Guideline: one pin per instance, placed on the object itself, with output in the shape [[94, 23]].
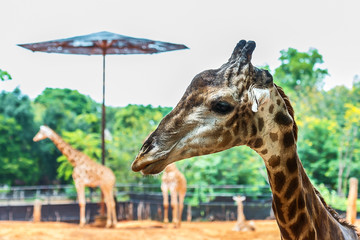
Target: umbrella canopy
[[103, 43]]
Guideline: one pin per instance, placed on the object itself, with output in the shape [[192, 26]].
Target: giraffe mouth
[[154, 168], [150, 167]]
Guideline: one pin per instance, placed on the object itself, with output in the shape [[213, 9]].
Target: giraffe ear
[[258, 97]]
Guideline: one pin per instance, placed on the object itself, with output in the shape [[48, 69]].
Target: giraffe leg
[[112, 207], [109, 201], [80, 188], [181, 206], [165, 194], [174, 206]]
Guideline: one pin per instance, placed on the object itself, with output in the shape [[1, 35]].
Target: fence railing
[[213, 202], [52, 194]]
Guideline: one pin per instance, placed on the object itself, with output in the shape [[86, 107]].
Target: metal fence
[[134, 201]]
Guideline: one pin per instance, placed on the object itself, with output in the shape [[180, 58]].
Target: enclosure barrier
[[134, 201]]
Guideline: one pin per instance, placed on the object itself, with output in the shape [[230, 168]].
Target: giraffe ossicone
[[238, 104]]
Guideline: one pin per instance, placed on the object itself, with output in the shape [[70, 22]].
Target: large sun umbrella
[[103, 43]]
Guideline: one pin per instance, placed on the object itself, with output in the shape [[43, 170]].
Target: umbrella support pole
[[103, 122]]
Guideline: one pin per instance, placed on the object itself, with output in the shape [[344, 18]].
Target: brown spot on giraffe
[[282, 119], [244, 127], [311, 235], [258, 143], [260, 124], [274, 136], [232, 120], [284, 233], [288, 139], [279, 179], [292, 188], [253, 130], [271, 109], [299, 225], [274, 161], [277, 206], [291, 164], [292, 210], [301, 201]]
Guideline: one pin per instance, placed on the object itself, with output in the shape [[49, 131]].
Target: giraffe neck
[[299, 209], [65, 148], [241, 216], [171, 168]]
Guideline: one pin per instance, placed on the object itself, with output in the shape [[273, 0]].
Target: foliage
[[318, 149], [298, 71], [18, 161], [4, 75], [61, 107]]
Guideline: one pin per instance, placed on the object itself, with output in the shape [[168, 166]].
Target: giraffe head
[[239, 199], [236, 104], [43, 133]]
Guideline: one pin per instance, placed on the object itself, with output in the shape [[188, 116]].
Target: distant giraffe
[[86, 172], [239, 104], [174, 181], [241, 223]]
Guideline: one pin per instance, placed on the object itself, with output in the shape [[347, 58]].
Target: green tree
[[349, 146], [4, 75], [18, 159], [61, 107], [317, 148], [299, 72]]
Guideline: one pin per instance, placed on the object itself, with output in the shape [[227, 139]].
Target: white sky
[[210, 29]]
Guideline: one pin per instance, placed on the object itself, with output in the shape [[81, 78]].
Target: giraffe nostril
[[148, 145]]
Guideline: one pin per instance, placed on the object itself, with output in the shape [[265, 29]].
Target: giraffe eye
[[222, 107]]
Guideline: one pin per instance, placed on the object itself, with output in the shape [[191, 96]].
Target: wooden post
[[147, 212], [130, 211], [159, 213], [351, 206], [140, 210], [37, 211], [189, 214]]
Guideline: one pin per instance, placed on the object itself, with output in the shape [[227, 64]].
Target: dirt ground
[[134, 230]]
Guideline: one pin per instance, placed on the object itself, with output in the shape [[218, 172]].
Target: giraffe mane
[[289, 108], [335, 214]]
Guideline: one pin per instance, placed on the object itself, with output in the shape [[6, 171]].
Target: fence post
[[130, 211], [140, 209], [37, 211], [189, 215], [351, 206]]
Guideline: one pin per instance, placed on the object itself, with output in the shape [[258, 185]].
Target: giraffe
[[241, 223], [174, 181], [239, 104], [86, 172]]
